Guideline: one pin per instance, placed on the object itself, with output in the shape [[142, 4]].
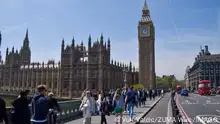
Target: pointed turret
[[73, 42], [7, 51], [0, 38], [63, 45], [81, 46], [101, 40], [130, 67], [13, 49], [26, 40], [145, 13], [145, 6], [89, 41], [26, 36], [109, 43]]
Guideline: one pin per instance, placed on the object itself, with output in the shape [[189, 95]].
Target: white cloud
[[11, 28]]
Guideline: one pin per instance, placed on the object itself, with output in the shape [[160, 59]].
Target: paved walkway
[[161, 113], [111, 118]]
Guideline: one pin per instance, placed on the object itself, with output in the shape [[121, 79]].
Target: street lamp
[[125, 77]]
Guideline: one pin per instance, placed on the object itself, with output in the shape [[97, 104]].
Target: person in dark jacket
[[3, 113], [53, 104], [40, 106], [21, 109], [104, 110]]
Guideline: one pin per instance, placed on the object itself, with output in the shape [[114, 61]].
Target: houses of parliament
[[79, 68]]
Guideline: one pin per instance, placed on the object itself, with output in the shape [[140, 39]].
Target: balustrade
[[69, 111]]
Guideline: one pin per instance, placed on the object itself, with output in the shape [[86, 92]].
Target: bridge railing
[[69, 111]]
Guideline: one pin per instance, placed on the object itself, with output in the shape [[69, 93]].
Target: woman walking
[[118, 106]]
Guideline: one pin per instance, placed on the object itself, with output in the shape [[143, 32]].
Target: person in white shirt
[[86, 107], [162, 92]]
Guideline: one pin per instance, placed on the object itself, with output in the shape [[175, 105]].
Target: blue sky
[[182, 26]]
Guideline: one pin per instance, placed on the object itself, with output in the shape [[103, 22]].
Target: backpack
[[131, 97]]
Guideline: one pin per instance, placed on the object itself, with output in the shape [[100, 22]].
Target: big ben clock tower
[[146, 38]]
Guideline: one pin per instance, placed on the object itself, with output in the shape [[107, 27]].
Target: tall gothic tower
[[146, 38], [25, 52]]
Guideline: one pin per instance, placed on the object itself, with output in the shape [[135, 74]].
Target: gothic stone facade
[[78, 69], [205, 67]]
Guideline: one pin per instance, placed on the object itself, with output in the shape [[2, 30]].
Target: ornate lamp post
[[125, 78]]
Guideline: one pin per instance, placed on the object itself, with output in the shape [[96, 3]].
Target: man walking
[[3, 113], [21, 109], [40, 106], [130, 100]]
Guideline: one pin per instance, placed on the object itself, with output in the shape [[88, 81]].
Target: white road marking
[[200, 120], [168, 111], [209, 98], [218, 111]]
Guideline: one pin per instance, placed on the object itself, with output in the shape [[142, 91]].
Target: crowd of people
[[115, 102], [42, 106]]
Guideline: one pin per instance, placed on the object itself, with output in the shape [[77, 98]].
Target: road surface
[[200, 109], [160, 112]]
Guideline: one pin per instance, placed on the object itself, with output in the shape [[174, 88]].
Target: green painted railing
[[69, 111]]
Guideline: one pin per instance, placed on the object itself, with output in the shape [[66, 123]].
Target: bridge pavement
[[111, 119]]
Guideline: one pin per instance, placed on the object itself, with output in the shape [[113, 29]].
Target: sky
[[181, 27]]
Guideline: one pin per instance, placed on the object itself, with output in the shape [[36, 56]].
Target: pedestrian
[[130, 100], [3, 112], [86, 107], [94, 107], [118, 105], [143, 99], [162, 92], [83, 94], [104, 110], [150, 94], [40, 106], [21, 108], [153, 94], [55, 108]]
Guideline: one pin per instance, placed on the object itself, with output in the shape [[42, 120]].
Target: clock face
[[144, 31]]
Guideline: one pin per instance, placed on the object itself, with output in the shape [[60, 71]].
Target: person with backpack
[[130, 100]]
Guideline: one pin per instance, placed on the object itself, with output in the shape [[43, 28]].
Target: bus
[[178, 89], [204, 87]]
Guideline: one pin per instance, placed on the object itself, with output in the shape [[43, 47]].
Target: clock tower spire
[[146, 39]]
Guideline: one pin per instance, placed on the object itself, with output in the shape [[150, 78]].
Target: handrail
[[69, 111]]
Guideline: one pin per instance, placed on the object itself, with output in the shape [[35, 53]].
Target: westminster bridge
[[70, 113]]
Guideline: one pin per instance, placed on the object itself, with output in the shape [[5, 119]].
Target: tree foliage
[[169, 81]]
